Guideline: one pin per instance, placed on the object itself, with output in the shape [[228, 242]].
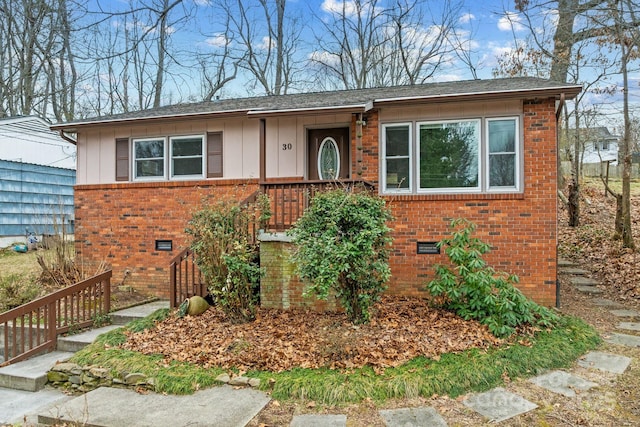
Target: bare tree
[[219, 67], [37, 65], [364, 43], [264, 41], [575, 22]]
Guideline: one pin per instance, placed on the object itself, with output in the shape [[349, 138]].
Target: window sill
[[454, 196]]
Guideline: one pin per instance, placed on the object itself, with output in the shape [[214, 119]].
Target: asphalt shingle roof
[[357, 98]]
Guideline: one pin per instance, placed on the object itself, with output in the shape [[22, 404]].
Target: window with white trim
[[149, 155], [448, 155], [177, 157], [452, 156], [397, 157], [187, 158], [502, 167]]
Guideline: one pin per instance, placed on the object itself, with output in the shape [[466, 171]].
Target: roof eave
[[569, 91], [72, 126], [355, 108]]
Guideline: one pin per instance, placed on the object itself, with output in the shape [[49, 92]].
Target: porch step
[[77, 342], [122, 317], [31, 374]]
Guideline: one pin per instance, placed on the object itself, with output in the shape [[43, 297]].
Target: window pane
[[397, 140], [149, 168], [449, 155], [397, 174], [186, 156], [502, 170], [149, 149], [186, 147], [187, 166], [502, 136]]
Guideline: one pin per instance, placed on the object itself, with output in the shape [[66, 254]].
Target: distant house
[[485, 150], [37, 175], [600, 146]]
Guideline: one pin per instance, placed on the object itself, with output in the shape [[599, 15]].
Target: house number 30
[[287, 147]]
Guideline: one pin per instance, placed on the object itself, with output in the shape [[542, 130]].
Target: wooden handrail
[[185, 278], [289, 199], [34, 327]]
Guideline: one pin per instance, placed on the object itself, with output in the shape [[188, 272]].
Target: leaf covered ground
[[592, 243], [400, 330]]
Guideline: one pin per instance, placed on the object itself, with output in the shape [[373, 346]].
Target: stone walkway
[[498, 404]]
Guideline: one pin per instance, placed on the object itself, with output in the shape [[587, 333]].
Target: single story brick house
[[485, 150]]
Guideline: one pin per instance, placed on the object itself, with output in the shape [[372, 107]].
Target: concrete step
[[122, 317], [573, 271], [562, 262], [118, 318], [31, 374], [583, 281], [77, 342]]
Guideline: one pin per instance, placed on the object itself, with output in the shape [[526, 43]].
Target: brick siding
[[521, 228], [118, 224]]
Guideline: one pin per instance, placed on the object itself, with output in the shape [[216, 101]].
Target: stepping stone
[[499, 404], [605, 362], [589, 290], [625, 313], [412, 417], [563, 383], [105, 407], [565, 263], [321, 420], [574, 271], [583, 281], [623, 339], [629, 326], [603, 302]]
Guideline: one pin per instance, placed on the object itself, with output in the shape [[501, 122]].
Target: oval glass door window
[[328, 159]]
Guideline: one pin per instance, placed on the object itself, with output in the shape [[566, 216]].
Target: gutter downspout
[[559, 169], [67, 138]]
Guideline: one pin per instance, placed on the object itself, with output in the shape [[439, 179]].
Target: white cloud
[[335, 6], [267, 43], [324, 57], [218, 40], [510, 21], [202, 2], [466, 18]]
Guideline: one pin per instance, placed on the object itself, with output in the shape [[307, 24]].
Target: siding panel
[[35, 198]]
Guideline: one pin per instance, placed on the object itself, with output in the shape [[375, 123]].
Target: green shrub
[[226, 257], [475, 290], [343, 246], [16, 290]]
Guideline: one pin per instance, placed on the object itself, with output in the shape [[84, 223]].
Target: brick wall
[[119, 223], [521, 228], [280, 287]]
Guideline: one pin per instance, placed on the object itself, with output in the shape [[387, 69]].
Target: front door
[[328, 154]]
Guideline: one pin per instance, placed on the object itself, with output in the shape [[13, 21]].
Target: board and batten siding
[[97, 151], [34, 198]]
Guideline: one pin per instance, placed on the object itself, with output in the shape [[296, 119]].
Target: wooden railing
[[290, 199], [34, 327], [185, 279]]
